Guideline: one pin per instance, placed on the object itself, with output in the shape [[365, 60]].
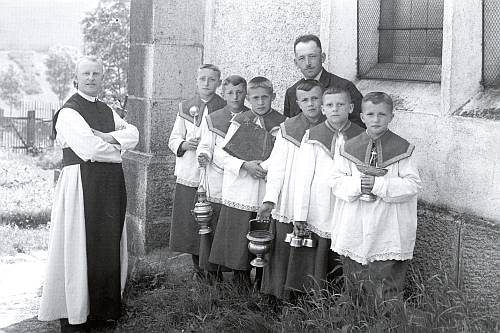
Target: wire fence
[[29, 128]]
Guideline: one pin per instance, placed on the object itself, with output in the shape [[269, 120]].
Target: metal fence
[[491, 43], [29, 127]]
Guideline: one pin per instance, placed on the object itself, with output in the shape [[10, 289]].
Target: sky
[[39, 24]]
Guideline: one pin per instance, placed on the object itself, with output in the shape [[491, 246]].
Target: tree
[[10, 87], [61, 69], [106, 33]]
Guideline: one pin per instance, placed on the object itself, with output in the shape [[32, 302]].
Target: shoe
[[66, 327]]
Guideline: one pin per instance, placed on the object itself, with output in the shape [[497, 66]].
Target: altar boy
[[243, 184], [376, 238], [311, 267], [280, 186], [183, 142], [213, 131]]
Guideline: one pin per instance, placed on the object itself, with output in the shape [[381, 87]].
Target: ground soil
[[21, 280]]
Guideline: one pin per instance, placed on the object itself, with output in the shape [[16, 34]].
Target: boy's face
[[336, 108], [376, 118], [309, 59], [208, 81], [310, 103], [260, 100], [235, 96]]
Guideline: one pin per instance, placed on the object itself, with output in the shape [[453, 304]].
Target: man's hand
[[203, 160], [254, 169], [105, 136], [299, 228], [367, 183], [264, 211], [191, 144]]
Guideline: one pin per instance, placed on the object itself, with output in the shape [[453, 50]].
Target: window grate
[[491, 43], [400, 39]]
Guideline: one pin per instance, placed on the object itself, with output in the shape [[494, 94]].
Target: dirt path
[[21, 279]]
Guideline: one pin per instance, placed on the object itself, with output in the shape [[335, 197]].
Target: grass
[[158, 299], [26, 194], [161, 297], [21, 240]]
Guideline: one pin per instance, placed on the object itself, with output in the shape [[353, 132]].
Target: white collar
[[317, 76], [87, 97]]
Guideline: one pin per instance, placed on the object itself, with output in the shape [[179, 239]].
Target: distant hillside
[[38, 68], [38, 25]]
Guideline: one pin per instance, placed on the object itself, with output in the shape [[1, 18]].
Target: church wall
[[255, 38], [459, 207]]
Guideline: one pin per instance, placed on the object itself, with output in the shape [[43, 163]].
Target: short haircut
[[307, 38], [212, 67], [378, 97], [333, 90], [92, 58], [261, 82], [234, 80], [308, 85]]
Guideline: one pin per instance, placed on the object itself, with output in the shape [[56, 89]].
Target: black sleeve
[[356, 98], [180, 151], [286, 107]]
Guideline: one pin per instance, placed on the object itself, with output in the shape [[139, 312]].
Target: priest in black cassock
[[87, 259]]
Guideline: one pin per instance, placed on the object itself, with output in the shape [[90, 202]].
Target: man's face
[[260, 100], [309, 59], [207, 82], [235, 96], [89, 77], [336, 108], [376, 118], [310, 103]]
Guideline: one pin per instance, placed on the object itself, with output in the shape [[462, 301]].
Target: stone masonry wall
[[255, 38]]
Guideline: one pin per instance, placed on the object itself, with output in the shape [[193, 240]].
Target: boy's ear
[[323, 57], [273, 96], [323, 109], [220, 83], [351, 108], [361, 116]]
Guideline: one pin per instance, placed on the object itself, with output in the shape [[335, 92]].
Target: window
[[491, 43], [400, 39]]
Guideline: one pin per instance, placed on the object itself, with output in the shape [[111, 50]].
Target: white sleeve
[[276, 165], [304, 174], [207, 143], [126, 134], [178, 135], [400, 188], [231, 163], [77, 135], [344, 185]]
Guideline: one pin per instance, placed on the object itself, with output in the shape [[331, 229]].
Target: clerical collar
[[317, 76], [261, 115], [336, 130], [236, 113], [317, 122], [373, 138], [87, 97]]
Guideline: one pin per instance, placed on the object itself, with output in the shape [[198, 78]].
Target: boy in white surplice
[[376, 237]]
